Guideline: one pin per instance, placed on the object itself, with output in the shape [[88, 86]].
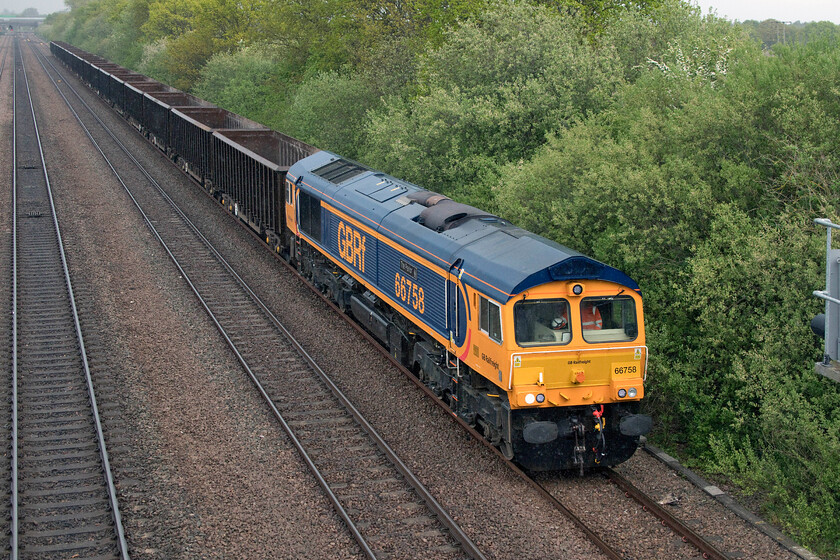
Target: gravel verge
[[201, 467], [6, 163], [708, 490]]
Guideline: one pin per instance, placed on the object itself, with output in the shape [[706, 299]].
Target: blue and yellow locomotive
[[539, 347]]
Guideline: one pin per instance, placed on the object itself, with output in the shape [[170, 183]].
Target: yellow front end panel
[[575, 377]]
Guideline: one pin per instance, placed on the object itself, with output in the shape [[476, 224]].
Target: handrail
[[826, 222], [825, 296]]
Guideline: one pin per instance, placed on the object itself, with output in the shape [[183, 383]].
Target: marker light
[[540, 398], [632, 392], [577, 289], [622, 393], [529, 398]]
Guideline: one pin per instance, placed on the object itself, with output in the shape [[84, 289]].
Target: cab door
[[291, 214], [455, 307]]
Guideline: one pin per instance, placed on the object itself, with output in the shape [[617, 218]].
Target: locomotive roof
[[492, 255]]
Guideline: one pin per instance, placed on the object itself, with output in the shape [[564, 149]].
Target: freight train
[[539, 347]]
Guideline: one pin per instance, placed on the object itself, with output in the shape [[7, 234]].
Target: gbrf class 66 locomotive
[[539, 347]]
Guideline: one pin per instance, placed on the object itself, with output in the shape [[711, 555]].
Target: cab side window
[[490, 318]]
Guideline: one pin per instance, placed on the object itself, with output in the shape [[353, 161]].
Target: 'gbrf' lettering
[[351, 246]]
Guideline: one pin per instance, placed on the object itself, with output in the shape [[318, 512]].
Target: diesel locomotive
[[539, 347]]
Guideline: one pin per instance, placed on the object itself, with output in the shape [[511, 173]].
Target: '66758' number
[[409, 292]]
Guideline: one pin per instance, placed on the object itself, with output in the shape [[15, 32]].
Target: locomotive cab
[[579, 348], [571, 358], [547, 322]]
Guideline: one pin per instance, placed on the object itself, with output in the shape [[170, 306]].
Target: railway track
[[62, 494], [687, 534], [608, 500], [383, 504]]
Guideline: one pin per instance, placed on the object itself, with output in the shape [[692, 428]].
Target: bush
[[703, 188], [342, 100], [245, 82]]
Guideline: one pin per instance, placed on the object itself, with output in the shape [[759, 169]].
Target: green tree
[[660, 32], [329, 35], [488, 95], [170, 19], [701, 180], [598, 14], [342, 101], [245, 82]]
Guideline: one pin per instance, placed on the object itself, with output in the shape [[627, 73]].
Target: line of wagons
[[239, 161]]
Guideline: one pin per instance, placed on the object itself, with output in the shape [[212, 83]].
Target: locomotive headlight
[[577, 289], [530, 398], [622, 393], [540, 398], [632, 392]]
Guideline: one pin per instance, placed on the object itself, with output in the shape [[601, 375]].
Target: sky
[[741, 10], [782, 10], [44, 7]]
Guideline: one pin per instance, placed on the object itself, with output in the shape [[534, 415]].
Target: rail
[[708, 550]]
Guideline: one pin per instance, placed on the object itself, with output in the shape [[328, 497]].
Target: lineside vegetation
[[673, 145]]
